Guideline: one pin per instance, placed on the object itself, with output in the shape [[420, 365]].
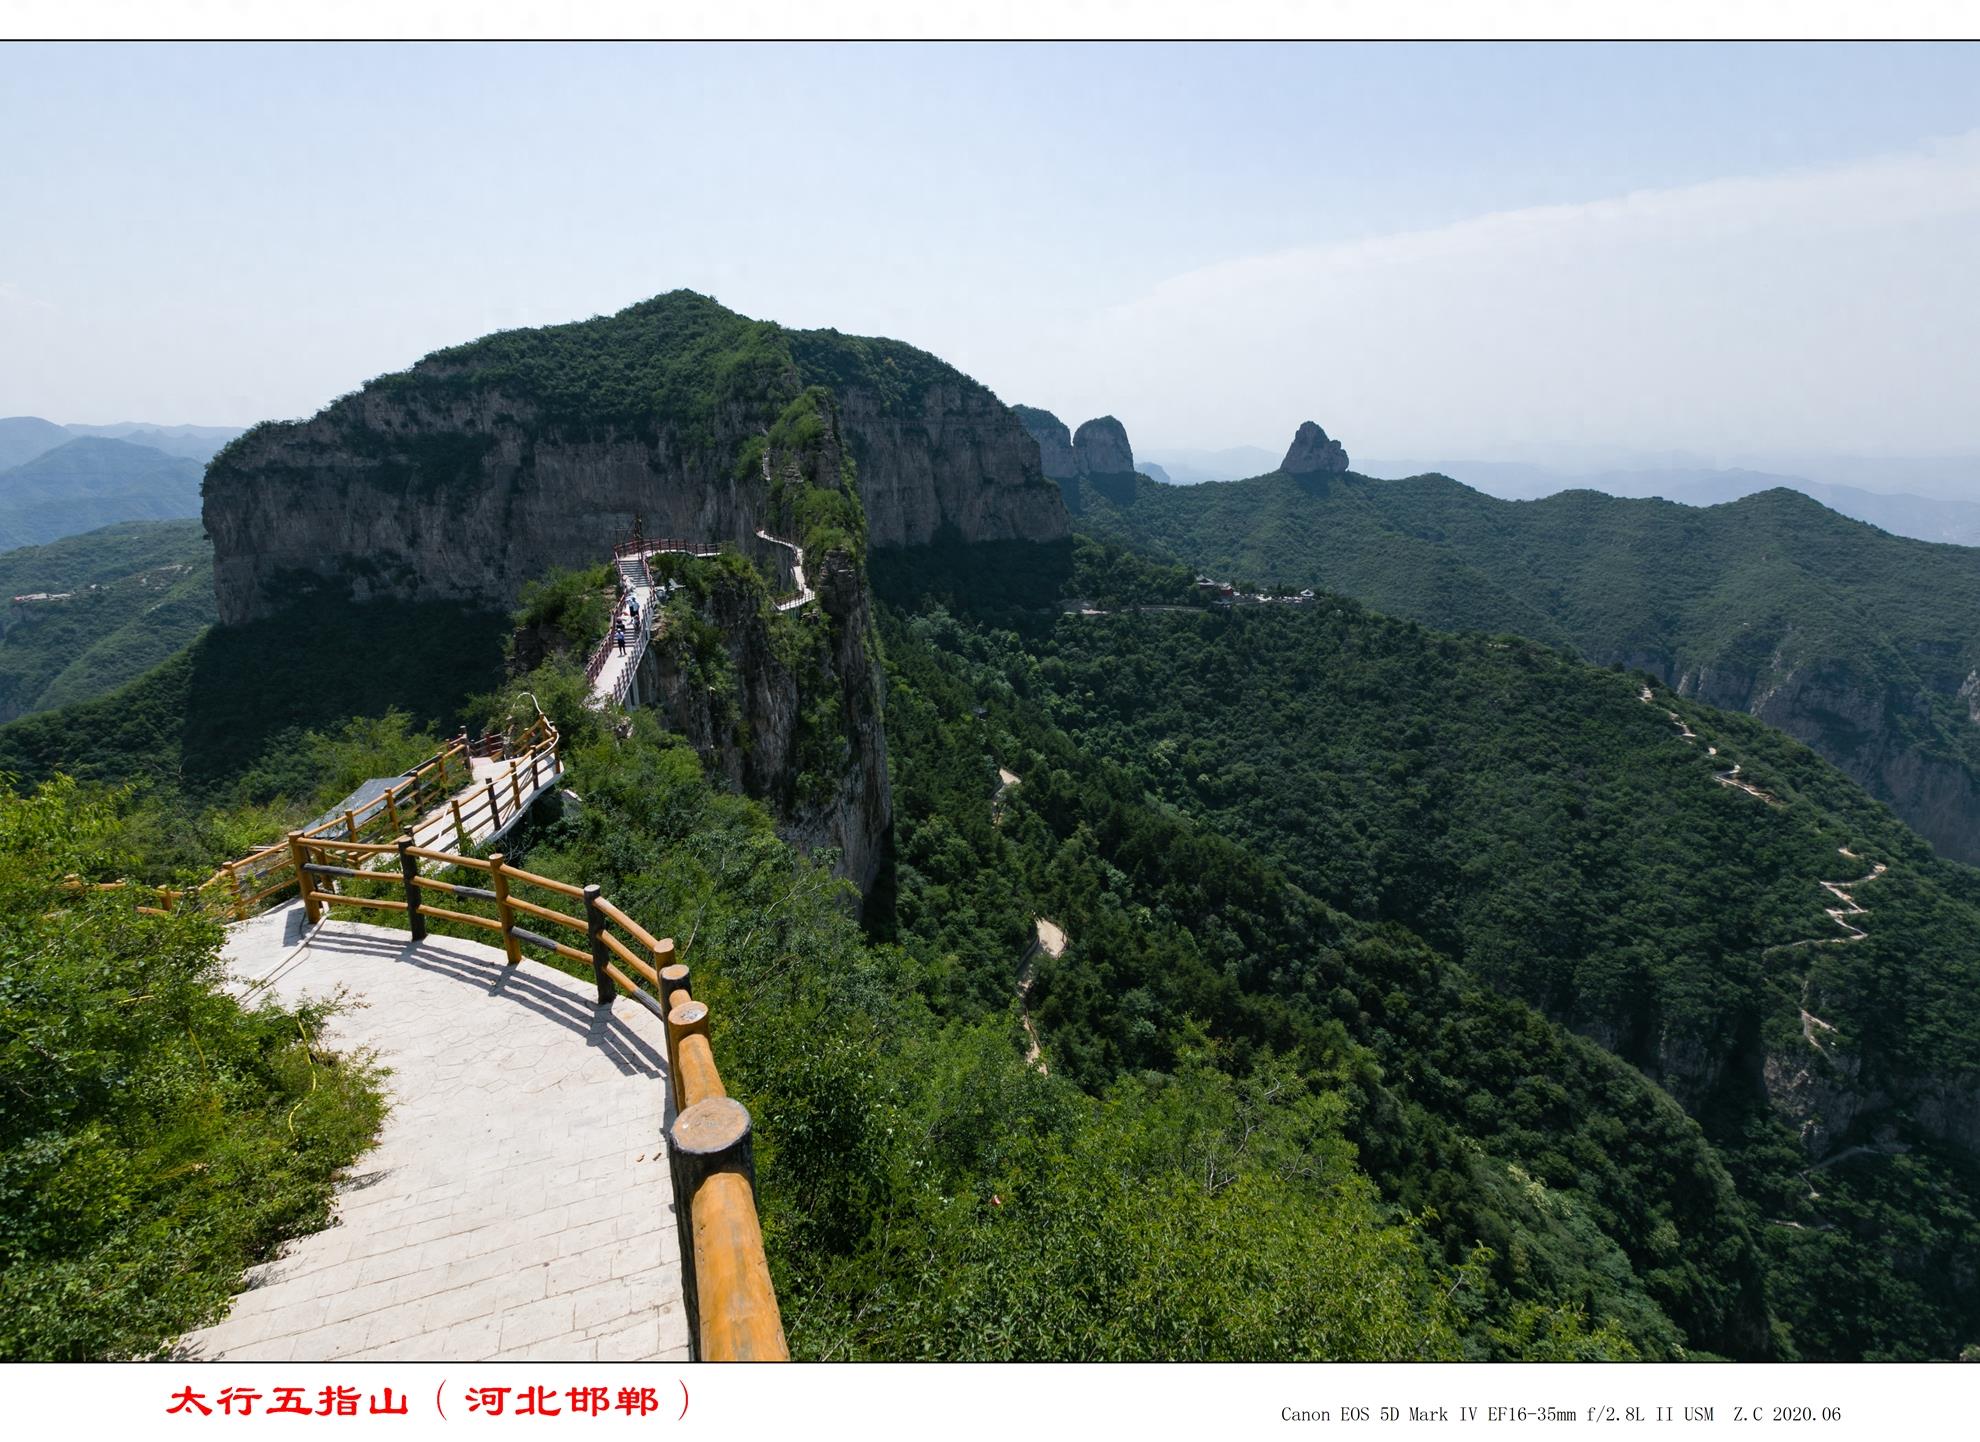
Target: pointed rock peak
[[1103, 449], [1312, 453]]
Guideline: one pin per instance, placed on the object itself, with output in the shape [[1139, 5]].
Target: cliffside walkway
[[804, 592], [614, 669], [521, 1201], [518, 1204]]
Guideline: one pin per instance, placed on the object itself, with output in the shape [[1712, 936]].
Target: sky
[[1430, 250]]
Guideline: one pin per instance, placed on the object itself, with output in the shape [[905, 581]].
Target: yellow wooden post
[[350, 826], [299, 854], [460, 826], [234, 887], [506, 912], [392, 809], [515, 788]]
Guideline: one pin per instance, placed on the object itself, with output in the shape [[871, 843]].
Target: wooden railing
[[731, 1304], [243, 885]]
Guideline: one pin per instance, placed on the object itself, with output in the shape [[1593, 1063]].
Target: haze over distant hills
[[22, 438], [92, 481], [58, 480], [1921, 517]]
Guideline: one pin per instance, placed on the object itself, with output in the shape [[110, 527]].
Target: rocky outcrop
[[1098, 448], [1311, 453], [1101, 445], [953, 457], [803, 735], [486, 465], [786, 705], [1056, 457]]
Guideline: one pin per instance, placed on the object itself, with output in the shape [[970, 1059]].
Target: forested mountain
[[22, 438], [1215, 804], [1860, 643], [1273, 981], [1923, 518], [90, 612], [91, 482]]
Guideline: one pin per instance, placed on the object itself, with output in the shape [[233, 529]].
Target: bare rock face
[[953, 457], [1056, 456], [1311, 453], [1102, 448]]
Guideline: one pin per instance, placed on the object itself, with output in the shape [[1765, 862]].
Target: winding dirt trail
[[1724, 778], [1812, 1026]]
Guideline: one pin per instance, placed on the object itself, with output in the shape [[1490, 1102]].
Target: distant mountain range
[[1934, 511], [90, 612], [1858, 643], [22, 438], [1923, 518], [58, 481], [90, 482]]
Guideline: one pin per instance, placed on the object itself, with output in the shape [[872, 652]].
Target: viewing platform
[[518, 1204]]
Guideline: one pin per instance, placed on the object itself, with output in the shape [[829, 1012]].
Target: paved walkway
[[517, 1205]]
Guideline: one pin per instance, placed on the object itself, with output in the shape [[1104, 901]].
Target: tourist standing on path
[[619, 633]]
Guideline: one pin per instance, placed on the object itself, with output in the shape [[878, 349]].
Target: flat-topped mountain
[[488, 463], [1862, 644]]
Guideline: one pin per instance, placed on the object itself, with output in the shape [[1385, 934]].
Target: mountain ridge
[[1846, 637]]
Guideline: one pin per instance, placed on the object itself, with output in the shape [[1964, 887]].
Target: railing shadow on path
[[630, 1053]]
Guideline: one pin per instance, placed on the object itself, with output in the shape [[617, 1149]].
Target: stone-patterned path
[[518, 1204]]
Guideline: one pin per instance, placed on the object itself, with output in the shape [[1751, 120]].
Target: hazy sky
[[1427, 249]]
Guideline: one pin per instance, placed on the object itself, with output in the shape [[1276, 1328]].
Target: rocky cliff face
[[1056, 457], [488, 464], [1312, 453], [787, 707], [952, 457], [786, 704], [1837, 714], [1103, 449], [1098, 448]]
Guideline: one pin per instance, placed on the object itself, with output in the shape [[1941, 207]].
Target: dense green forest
[[1858, 642], [136, 594], [1553, 839]]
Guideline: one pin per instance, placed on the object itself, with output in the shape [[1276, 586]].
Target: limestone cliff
[[1055, 448], [487, 464], [1098, 448], [1103, 449], [786, 703]]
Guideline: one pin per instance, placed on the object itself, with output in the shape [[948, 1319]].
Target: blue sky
[[1423, 247]]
